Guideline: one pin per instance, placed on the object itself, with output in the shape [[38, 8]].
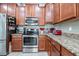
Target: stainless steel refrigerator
[[4, 41]]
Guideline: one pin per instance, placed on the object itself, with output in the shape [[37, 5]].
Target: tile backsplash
[[70, 29], [47, 28], [71, 26]]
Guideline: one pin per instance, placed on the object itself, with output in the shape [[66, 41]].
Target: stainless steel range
[[30, 43], [30, 38]]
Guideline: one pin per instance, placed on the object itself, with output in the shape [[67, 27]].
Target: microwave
[[31, 21]]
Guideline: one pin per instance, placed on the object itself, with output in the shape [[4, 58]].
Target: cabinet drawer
[[16, 36]]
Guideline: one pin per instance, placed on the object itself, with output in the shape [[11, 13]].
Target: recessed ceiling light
[[22, 8], [42, 5], [21, 4], [5, 7]]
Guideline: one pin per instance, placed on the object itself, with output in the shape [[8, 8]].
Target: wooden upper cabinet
[[30, 10], [3, 8], [56, 11], [39, 13], [77, 7], [67, 11], [0, 8], [33, 10], [42, 16], [49, 13], [17, 15], [20, 15], [11, 9], [27, 11]]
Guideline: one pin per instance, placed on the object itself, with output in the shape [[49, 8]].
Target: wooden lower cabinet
[[47, 45], [65, 52], [53, 48], [54, 51], [57, 46], [49, 48], [16, 43], [41, 43]]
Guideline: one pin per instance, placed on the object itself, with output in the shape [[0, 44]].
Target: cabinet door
[[46, 44], [37, 11], [67, 11], [56, 11], [56, 44], [42, 16], [40, 13], [65, 52], [54, 51], [49, 13], [16, 45], [32, 10], [20, 15], [11, 9], [0, 7], [49, 48], [41, 43], [3, 8], [17, 16], [28, 10], [77, 9]]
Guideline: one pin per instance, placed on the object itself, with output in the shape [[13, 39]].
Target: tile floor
[[26, 54]]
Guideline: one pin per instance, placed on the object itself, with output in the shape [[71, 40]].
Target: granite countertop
[[66, 42]]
